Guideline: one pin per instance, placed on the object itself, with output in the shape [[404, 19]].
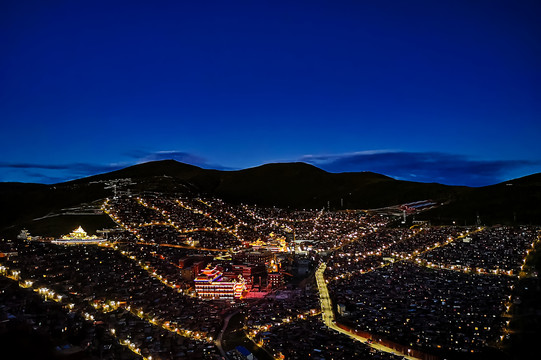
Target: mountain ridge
[[288, 185]]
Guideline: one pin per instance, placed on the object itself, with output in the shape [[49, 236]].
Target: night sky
[[432, 91]]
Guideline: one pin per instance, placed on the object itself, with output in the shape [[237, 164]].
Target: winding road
[[328, 317]]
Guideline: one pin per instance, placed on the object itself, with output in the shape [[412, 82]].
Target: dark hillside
[[24, 202], [293, 185], [170, 168], [512, 202]]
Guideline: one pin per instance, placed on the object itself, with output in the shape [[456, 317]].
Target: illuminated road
[[181, 246], [328, 316]]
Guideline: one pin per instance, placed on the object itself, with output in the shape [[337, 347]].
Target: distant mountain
[[150, 169], [296, 185], [293, 185], [515, 201]]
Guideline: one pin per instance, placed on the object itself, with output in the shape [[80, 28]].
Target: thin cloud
[[55, 173], [327, 157], [184, 157], [42, 178], [142, 157], [79, 168], [439, 167], [32, 166]]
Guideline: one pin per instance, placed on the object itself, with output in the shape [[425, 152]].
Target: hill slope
[[515, 201], [294, 185]]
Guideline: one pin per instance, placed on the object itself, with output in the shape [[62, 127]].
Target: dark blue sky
[[445, 91]]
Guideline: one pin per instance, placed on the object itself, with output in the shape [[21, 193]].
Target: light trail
[[509, 304], [49, 294], [290, 319], [184, 247], [462, 268]]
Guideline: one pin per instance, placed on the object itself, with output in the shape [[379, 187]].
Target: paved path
[[220, 337]]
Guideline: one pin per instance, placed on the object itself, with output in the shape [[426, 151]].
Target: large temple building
[[212, 284], [77, 237]]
